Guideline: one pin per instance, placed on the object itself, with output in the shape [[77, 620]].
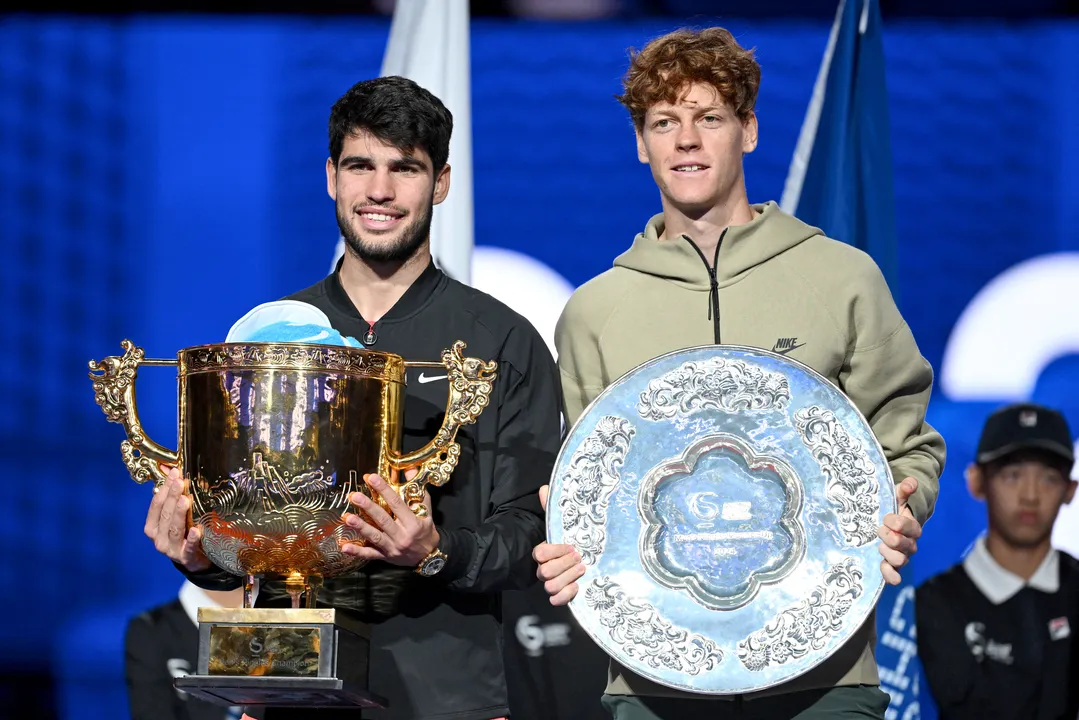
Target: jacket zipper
[[713, 285]]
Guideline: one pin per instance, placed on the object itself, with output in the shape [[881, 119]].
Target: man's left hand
[[899, 534], [399, 539]]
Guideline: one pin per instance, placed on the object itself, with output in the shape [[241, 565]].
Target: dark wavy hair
[[398, 112]]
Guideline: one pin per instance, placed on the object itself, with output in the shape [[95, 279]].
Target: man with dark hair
[[378, 108], [432, 589], [995, 632], [713, 268]]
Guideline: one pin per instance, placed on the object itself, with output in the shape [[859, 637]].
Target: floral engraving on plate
[[729, 385], [851, 485], [807, 626], [590, 480], [645, 635]]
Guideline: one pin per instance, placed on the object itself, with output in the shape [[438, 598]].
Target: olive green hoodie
[[780, 285]]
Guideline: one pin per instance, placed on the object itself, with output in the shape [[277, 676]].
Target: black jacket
[[159, 645], [1017, 659], [437, 642]]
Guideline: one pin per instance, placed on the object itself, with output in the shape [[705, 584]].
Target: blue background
[[161, 176]]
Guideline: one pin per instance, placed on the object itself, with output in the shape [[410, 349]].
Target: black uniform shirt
[[994, 646], [160, 645]]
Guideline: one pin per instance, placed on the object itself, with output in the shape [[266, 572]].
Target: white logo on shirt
[[982, 648], [534, 637], [430, 378]]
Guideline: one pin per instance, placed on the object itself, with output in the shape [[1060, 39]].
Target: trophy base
[[302, 657], [278, 692]]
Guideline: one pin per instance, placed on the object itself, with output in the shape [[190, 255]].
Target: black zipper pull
[[713, 310], [370, 336], [713, 291]]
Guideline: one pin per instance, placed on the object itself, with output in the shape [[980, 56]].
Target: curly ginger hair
[[666, 67]]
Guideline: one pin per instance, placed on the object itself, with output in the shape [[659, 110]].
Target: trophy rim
[[292, 356], [581, 615]]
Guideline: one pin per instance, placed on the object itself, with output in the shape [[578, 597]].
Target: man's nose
[[380, 187], [689, 137], [1028, 490]]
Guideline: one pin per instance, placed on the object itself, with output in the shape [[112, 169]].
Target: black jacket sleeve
[[497, 555], [962, 687], [149, 686], [212, 578]]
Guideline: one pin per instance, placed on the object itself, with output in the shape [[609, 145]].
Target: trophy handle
[[114, 391], [470, 382]]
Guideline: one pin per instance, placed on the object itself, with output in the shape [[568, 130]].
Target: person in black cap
[[995, 632]]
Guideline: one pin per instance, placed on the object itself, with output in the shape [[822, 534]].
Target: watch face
[[433, 565]]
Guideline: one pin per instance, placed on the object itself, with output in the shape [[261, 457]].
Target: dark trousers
[[839, 703]]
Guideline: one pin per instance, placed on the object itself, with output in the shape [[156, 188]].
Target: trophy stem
[[314, 582], [294, 586], [251, 590]]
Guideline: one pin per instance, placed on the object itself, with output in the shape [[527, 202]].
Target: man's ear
[[442, 185], [749, 133], [976, 481], [642, 150], [331, 179], [1070, 492]]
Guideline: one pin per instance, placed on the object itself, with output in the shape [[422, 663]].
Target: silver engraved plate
[[725, 502]]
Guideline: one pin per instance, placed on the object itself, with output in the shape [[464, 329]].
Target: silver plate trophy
[[725, 501]]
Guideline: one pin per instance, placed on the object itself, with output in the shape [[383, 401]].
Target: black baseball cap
[[1025, 426]]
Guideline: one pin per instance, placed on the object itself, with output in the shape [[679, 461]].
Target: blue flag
[[840, 178]]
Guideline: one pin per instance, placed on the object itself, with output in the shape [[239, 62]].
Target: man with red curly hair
[[713, 268]]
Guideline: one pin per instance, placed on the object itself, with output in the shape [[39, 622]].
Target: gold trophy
[[274, 437]]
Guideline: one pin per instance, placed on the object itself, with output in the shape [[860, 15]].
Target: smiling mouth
[[378, 219], [689, 168], [378, 216]]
